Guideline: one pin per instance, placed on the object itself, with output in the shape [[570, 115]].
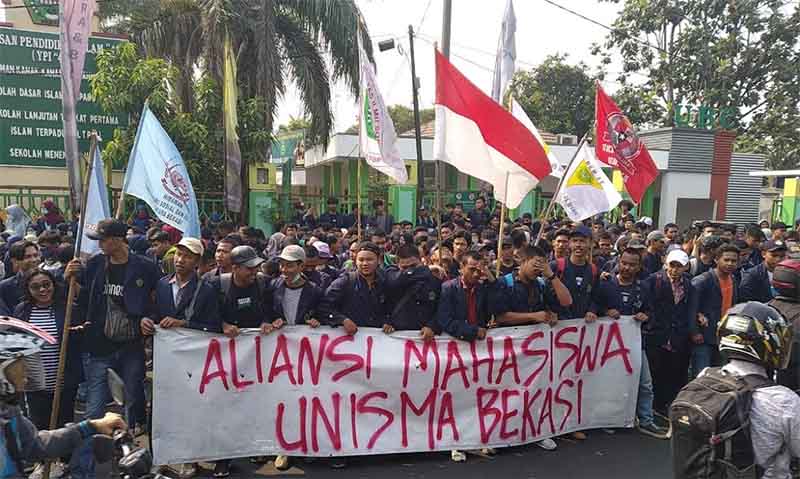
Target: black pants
[[670, 373], [40, 407]]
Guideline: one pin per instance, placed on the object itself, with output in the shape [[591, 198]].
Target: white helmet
[[17, 340]]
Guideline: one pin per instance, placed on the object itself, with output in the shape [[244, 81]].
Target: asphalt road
[[626, 454]]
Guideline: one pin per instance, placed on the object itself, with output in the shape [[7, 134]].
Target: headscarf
[[18, 221], [52, 214]]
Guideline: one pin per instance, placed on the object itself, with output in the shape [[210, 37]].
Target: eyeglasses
[[43, 285]]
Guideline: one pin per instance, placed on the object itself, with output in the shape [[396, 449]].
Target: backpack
[[561, 266], [710, 422], [225, 280]]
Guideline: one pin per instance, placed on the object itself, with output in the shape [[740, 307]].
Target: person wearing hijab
[[51, 217], [18, 221], [141, 218]]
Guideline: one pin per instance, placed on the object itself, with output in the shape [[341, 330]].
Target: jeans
[[704, 356], [128, 362], [644, 401]]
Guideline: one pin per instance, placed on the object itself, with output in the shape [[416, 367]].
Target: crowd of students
[[451, 279]]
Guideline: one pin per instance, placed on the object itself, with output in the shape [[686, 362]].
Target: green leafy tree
[[723, 54], [125, 81], [403, 119], [557, 96]]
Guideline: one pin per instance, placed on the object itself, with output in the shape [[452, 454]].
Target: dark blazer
[[141, 277], [708, 300], [310, 298], [755, 285], [452, 313], [206, 315], [669, 322], [73, 368], [418, 290], [11, 294], [349, 297]]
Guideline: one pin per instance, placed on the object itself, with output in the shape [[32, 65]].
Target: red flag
[[619, 145]]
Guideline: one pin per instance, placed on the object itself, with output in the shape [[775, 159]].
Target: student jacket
[[452, 313], [204, 313], [708, 300]]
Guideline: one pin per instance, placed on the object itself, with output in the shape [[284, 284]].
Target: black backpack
[[710, 420]]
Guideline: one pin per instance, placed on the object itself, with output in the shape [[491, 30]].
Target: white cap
[[646, 220], [194, 245], [678, 255], [293, 253]]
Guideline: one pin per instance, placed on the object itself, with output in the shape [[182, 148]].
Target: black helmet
[[756, 333], [786, 279]]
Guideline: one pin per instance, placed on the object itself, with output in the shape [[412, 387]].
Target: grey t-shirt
[[291, 299]]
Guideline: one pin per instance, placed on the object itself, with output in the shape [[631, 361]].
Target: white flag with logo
[[97, 208], [378, 138], [586, 190]]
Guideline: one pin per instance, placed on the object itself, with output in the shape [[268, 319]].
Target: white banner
[[318, 392]]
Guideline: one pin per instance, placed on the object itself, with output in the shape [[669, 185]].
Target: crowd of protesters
[[458, 278]]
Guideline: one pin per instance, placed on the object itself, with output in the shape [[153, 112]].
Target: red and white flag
[[619, 145], [482, 139]]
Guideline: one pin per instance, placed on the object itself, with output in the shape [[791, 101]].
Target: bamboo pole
[[73, 285], [502, 227]]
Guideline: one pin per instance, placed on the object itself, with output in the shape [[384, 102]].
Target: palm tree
[[275, 41]]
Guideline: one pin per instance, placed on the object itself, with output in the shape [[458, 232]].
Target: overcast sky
[[542, 30]]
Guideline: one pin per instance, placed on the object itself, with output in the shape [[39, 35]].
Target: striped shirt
[[43, 366]]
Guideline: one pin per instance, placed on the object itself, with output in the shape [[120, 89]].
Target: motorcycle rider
[[756, 338], [20, 442], [786, 287]]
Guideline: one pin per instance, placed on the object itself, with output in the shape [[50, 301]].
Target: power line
[[612, 29]]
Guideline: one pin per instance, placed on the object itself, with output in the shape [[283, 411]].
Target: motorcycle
[[129, 461]]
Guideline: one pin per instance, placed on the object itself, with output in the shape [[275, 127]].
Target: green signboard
[[30, 99]]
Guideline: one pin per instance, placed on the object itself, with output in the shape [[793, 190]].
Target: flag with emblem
[[378, 138], [586, 190], [619, 145]]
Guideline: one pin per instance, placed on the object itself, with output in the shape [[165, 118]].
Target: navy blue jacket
[[11, 294], [423, 290], [141, 277], [755, 285], [206, 307], [452, 313], [708, 301], [512, 295], [307, 307], [334, 219], [349, 297], [668, 322], [73, 368], [628, 301], [651, 263]]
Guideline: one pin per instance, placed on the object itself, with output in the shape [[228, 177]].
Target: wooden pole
[[360, 132], [552, 202], [502, 227], [73, 285]]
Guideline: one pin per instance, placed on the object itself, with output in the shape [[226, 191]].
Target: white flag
[[97, 207], [519, 114], [586, 190], [506, 54], [378, 138]]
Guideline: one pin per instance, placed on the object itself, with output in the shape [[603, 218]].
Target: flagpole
[[73, 287], [502, 227], [552, 203], [437, 164], [360, 129]]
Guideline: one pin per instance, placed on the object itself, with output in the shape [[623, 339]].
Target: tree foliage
[[403, 119], [739, 54], [125, 81]]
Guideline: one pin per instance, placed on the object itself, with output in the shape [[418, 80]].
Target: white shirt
[[774, 423]]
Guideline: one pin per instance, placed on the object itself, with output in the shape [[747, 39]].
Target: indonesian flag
[[619, 146], [480, 138]]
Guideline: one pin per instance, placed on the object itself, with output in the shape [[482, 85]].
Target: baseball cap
[[323, 249], [194, 245], [246, 256], [679, 256], [636, 244], [108, 228], [655, 236], [774, 245], [581, 232], [293, 253], [646, 220]]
